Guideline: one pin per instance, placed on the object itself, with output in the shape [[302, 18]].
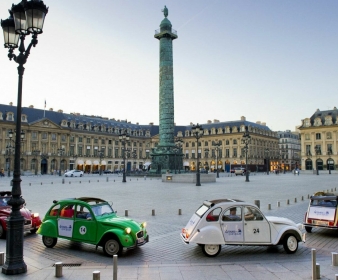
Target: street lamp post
[[267, 152], [26, 18], [35, 154], [9, 151], [60, 152], [246, 140], [197, 132], [317, 150], [124, 138], [217, 148], [206, 157], [179, 145], [101, 155]]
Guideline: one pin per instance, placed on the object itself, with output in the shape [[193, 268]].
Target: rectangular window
[[88, 140], [329, 149], [227, 153], [80, 139], [34, 135], [116, 153], [44, 135], [63, 138], [53, 136], [71, 150], [329, 135], [116, 142], [88, 151], [96, 141], [103, 141], [72, 139], [308, 150], [79, 150], [110, 152], [318, 136], [109, 142], [95, 151], [186, 155], [307, 136], [234, 152]]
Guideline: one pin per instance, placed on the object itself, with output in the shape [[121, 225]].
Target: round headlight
[[127, 230], [144, 224]]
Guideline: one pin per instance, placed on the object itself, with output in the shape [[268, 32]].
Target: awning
[[186, 163], [88, 162], [147, 163], [96, 162], [80, 162], [103, 162]]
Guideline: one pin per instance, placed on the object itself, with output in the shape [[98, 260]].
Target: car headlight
[[127, 230], [143, 225], [35, 215]]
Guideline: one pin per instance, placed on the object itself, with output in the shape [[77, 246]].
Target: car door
[[256, 227], [232, 225], [85, 227]]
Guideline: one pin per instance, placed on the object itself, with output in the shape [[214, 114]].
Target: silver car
[[74, 173]]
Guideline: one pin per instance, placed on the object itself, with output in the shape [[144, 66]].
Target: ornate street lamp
[[267, 152], [217, 146], [124, 138], [197, 132], [246, 140], [9, 151], [60, 152], [101, 156], [317, 150], [206, 151], [179, 145], [25, 18]]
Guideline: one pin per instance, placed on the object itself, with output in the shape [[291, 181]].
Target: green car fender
[[48, 228], [126, 240]]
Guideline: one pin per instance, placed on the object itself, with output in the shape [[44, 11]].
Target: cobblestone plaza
[[165, 256]]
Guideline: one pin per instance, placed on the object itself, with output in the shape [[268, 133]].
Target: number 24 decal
[[256, 230]]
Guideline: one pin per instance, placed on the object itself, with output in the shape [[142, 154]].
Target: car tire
[[2, 232], [71, 175], [80, 175], [308, 229], [211, 250], [49, 242], [290, 244], [112, 247]]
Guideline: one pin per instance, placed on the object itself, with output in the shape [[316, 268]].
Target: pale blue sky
[[270, 61]]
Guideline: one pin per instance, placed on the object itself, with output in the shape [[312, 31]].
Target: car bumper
[[183, 239], [321, 226], [146, 240]]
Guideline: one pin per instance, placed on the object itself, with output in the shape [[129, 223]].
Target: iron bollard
[[179, 211], [107, 179], [2, 258], [58, 269], [269, 206], [334, 259], [295, 199], [318, 270], [302, 198], [96, 275], [313, 257], [288, 202], [153, 212], [63, 180], [278, 203], [257, 203], [126, 213], [115, 267]]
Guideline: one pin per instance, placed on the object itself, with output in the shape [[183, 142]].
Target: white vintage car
[[235, 222]]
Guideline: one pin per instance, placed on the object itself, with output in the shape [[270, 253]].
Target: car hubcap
[[48, 240], [211, 249], [292, 243], [112, 247]]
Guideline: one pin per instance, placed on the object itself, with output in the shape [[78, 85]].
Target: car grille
[[28, 222], [139, 234]]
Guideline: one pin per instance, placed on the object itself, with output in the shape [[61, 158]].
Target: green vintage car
[[91, 220]]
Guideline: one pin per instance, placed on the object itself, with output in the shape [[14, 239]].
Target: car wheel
[[112, 247], [211, 250], [80, 175], [308, 229], [49, 242], [2, 232], [71, 175], [66, 175], [290, 244]]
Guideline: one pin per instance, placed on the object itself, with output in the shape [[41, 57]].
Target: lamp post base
[[14, 258], [198, 181]]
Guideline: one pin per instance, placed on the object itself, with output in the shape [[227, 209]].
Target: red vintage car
[[32, 220]]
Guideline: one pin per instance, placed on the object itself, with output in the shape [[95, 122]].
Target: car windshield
[[324, 202], [200, 211], [102, 209], [4, 200]]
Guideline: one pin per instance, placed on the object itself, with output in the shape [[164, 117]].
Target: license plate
[[140, 240], [320, 223]]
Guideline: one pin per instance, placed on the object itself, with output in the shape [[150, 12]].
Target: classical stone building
[[319, 140], [56, 140], [289, 146]]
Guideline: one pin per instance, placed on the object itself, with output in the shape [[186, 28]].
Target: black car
[[96, 172], [107, 171]]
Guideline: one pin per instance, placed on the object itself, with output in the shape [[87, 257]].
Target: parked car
[[91, 220], [32, 220], [235, 222], [322, 211], [96, 172], [107, 171], [232, 170], [239, 171], [74, 173]]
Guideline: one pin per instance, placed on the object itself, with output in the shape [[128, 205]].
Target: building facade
[[54, 140], [319, 136], [289, 146]]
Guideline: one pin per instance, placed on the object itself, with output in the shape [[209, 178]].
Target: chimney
[[10, 103], [243, 118], [258, 122], [209, 121], [216, 121], [50, 109], [31, 106], [264, 123], [151, 123], [60, 111]]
